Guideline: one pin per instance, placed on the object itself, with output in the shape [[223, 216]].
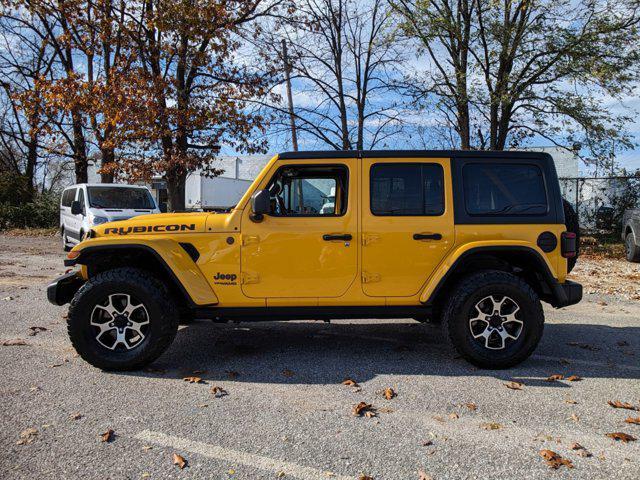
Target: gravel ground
[[287, 415]]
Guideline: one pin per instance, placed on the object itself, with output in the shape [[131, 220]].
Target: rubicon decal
[[149, 229]]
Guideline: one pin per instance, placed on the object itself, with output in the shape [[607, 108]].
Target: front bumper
[[567, 293], [62, 289]]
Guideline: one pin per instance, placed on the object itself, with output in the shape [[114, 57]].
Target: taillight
[[568, 244]]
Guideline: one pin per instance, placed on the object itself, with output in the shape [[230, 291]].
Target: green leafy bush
[[43, 212]]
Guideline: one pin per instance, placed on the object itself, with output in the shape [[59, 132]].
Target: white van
[[87, 204]]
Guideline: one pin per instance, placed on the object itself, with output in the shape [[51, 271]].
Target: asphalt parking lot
[[286, 413]]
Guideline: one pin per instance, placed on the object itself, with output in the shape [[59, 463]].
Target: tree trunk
[[175, 191], [79, 148], [108, 159]]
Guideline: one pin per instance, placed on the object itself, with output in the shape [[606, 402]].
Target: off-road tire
[[632, 251], [162, 312], [457, 312], [572, 223]]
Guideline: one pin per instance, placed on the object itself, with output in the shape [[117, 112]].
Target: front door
[[407, 223], [307, 245]]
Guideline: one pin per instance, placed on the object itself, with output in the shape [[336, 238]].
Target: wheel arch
[[521, 260], [172, 264]]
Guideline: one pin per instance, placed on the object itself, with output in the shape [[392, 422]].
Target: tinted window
[[407, 189], [120, 198], [504, 189], [309, 191], [68, 196]]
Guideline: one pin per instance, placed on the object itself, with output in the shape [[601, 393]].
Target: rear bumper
[[567, 293], [62, 289]]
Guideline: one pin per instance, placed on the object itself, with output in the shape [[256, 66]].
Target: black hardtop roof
[[493, 154]]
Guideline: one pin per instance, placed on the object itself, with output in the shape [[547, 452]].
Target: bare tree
[[528, 68], [343, 56]]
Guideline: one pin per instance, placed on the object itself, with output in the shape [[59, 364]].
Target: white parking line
[[237, 456]]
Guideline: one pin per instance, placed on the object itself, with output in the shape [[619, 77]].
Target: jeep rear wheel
[[632, 251], [494, 319], [122, 319]]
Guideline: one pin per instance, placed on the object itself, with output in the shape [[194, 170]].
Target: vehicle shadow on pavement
[[321, 353]]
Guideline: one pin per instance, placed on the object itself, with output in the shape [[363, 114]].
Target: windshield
[[120, 198]]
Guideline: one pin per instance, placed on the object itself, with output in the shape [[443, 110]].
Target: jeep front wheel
[[122, 319], [494, 319]]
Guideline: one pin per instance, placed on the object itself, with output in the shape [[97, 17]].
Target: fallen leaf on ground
[[514, 385], [193, 379], [280, 474], [107, 436], [349, 383], [581, 451], [365, 409], [27, 436], [621, 436], [635, 421], [554, 378], [424, 476], [491, 426], [75, 416], [218, 392], [54, 365], [619, 404], [573, 378], [146, 448], [179, 461], [287, 373], [428, 443], [365, 477], [471, 406], [35, 330], [454, 416], [570, 401], [389, 393], [14, 342], [554, 460], [575, 417]]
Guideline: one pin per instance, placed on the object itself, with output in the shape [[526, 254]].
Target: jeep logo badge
[[225, 278]]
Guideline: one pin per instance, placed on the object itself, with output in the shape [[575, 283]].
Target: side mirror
[[76, 208], [260, 205]]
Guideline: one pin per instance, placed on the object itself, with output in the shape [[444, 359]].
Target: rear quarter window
[[504, 189], [68, 196]]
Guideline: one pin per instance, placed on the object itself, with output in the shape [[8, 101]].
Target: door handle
[[427, 236], [342, 236]]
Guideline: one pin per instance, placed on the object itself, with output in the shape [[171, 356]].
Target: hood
[[154, 224]]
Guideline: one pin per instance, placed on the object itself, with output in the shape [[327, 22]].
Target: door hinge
[[368, 238], [250, 278], [249, 239], [370, 277]]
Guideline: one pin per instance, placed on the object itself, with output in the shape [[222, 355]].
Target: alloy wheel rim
[[120, 322], [495, 322]]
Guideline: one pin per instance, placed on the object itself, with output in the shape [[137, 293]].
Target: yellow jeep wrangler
[[475, 240]]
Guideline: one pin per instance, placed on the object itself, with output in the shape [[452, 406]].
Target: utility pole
[[287, 68]]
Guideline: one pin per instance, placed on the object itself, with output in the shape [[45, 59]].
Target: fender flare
[[448, 266], [190, 281]]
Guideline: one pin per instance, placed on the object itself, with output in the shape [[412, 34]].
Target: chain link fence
[[601, 201]]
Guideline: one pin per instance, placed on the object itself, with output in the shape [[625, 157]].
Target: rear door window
[[504, 189], [407, 189]]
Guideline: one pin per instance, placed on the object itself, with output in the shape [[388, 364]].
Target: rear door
[[407, 223]]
